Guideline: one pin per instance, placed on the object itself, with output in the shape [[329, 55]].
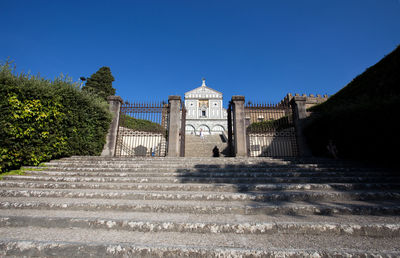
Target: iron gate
[[142, 129], [270, 130]]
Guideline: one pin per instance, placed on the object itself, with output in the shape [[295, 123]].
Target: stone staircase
[[201, 207], [197, 147]]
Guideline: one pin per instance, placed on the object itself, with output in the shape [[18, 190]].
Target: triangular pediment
[[202, 90]]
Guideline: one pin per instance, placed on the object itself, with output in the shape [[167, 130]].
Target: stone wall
[[311, 99]]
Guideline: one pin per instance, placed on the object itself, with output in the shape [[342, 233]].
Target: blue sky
[[262, 49]]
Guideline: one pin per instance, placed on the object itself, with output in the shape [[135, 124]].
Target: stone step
[[207, 196], [376, 226], [203, 149], [219, 180], [92, 206], [200, 152], [205, 169], [226, 160], [219, 165], [64, 242], [206, 146], [255, 174], [185, 164], [198, 187], [199, 143], [210, 165], [206, 160], [205, 207], [315, 228]]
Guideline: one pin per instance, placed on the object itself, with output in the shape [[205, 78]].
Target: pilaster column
[[111, 138], [239, 128], [174, 126], [299, 115]]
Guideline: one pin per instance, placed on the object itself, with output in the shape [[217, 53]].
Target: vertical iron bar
[[230, 136]]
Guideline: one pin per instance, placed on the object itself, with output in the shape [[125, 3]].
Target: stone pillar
[[111, 139], [239, 128], [174, 126], [299, 115]]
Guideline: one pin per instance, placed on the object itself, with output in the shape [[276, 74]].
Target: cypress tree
[[101, 83]]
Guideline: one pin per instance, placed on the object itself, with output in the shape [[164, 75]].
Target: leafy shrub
[[42, 120]]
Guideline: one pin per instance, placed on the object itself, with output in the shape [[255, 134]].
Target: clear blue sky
[[262, 49]]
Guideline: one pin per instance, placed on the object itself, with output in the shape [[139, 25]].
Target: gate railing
[[183, 131], [142, 129], [270, 130], [231, 150]]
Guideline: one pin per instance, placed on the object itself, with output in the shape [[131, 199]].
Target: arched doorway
[[190, 129], [218, 129], [206, 130]]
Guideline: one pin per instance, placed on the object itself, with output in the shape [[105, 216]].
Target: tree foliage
[[41, 119], [101, 83]]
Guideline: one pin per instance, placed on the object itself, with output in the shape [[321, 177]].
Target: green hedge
[[271, 125], [361, 119], [42, 120], [141, 125]]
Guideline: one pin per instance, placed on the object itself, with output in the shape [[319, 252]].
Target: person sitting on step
[[215, 151]]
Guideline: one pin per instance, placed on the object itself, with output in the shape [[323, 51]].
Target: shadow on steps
[[325, 188]]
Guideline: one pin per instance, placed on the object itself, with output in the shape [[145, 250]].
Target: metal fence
[[270, 130], [182, 132], [142, 129]]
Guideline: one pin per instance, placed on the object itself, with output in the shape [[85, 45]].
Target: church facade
[[204, 111]]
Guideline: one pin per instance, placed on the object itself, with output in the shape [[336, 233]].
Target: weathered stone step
[[226, 180], [211, 161], [271, 196], [204, 207], [207, 160], [326, 228], [206, 147], [286, 160], [196, 187], [200, 207], [211, 169], [39, 241], [205, 218], [185, 164], [254, 174]]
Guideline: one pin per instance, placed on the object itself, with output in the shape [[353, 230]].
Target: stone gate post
[[299, 115], [174, 126], [239, 127], [111, 138]]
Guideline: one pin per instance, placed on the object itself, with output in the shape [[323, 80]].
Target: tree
[[101, 83]]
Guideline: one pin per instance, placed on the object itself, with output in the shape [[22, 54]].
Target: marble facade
[[205, 111]]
